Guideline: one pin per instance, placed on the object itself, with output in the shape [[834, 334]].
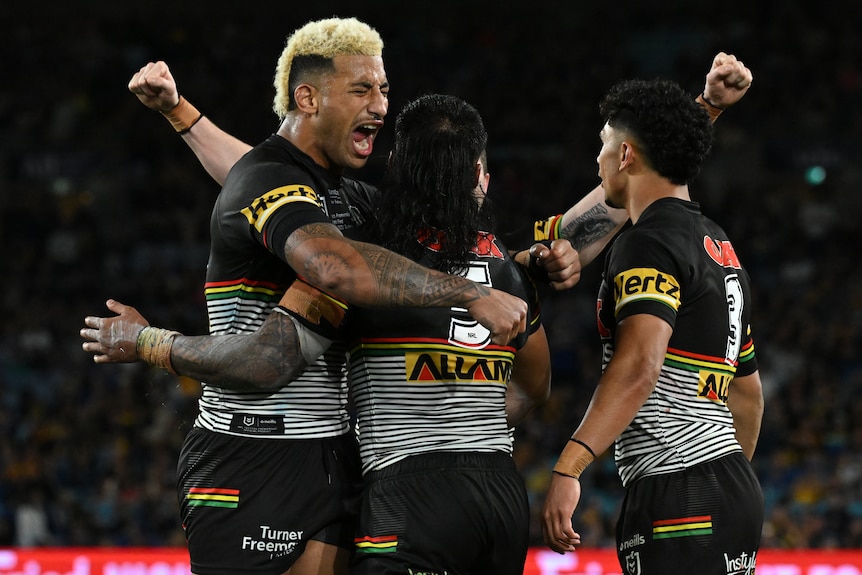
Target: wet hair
[[672, 130], [310, 50], [428, 190]]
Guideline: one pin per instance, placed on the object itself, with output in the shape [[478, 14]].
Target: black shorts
[[705, 520], [249, 505], [453, 513]]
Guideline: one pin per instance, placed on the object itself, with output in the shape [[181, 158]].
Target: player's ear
[[307, 98], [627, 154]]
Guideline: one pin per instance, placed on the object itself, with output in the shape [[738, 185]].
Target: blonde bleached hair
[[326, 39]]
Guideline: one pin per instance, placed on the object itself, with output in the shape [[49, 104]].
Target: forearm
[[267, 359], [368, 275], [591, 224], [530, 385], [519, 404], [215, 149]]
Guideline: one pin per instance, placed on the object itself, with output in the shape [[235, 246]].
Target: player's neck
[[646, 189]]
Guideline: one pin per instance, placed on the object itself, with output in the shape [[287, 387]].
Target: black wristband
[[584, 445], [186, 130], [705, 99]]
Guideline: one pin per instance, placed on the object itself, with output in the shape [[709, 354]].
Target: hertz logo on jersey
[[429, 367], [263, 207], [638, 284]]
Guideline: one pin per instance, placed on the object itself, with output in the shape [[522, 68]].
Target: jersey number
[[464, 331], [733, 292]]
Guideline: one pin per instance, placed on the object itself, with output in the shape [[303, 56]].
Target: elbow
[[271, 381], [329, 263], [330, 280], [544, 394]]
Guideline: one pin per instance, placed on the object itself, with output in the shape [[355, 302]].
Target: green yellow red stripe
[[383, 544], [695, 361], [213, 497], [682, 527]]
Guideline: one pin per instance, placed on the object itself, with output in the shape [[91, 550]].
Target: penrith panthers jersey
[[676, 264], [270, 192], [430, 380]]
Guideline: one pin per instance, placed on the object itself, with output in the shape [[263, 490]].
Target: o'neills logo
[[646, 284], [451, 367], [633, 541], [263, 207]]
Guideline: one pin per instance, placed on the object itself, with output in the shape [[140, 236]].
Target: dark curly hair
[[428, 190], [672, 130]]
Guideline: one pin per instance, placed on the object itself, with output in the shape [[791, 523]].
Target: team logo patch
[[428, 367], [213, 497], [633, 563], [263, 207], [721, 252], [639, 284], [382, 544], [486, 246], [682, 527], [486, 243]]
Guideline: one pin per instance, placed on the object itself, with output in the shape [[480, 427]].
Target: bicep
[[641, 345]]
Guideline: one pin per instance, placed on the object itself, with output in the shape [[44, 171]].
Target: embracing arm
[[266, 359], [530, 385], [216, 150], [368, 275], [745, 402]]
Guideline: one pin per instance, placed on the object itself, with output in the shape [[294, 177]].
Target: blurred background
[[99, 198]]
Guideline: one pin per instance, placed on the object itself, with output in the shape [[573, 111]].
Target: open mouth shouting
[[363, 137]]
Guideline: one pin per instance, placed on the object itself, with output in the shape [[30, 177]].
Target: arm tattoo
[[265, 360], [372, 276], [404, 283], [590, 227]]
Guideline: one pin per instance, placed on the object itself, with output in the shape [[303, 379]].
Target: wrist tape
[[576, 456], [711, 109], [183, 116], [154, 347]]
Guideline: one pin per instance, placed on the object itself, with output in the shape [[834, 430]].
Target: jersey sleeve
[[545, 230], [747, 359], [277, 209], [644, 277]]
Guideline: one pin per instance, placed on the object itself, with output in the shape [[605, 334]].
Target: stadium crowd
[[99, 198]]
